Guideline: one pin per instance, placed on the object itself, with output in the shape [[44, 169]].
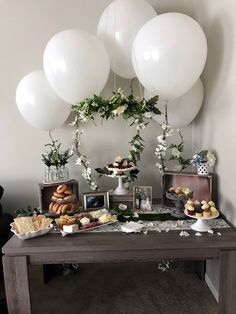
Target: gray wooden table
[[110, 247]]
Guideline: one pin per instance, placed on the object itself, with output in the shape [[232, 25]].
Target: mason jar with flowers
[[202, 160], [55, 161]]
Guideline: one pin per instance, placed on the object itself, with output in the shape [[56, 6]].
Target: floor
[[121, 289]]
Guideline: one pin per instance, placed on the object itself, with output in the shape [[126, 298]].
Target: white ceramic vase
[[202, 169]]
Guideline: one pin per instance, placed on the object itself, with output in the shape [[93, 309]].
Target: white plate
[[32, 234]]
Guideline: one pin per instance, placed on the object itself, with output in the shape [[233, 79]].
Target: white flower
[[89, 171], [118, 159], [211, 159], [115, 164], [122, 207], [148, 115], [119, 110], [78, 161], [175, 152]]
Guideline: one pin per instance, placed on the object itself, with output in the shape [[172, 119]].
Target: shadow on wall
[[219, 59]]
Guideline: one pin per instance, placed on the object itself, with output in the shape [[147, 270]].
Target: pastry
[[58, 195], [68, 197], [190, 202], [191, 210], [68, 192], [206, 207], [61, 188], [211, 204], [198, 212], [206, 214], [213, 211]]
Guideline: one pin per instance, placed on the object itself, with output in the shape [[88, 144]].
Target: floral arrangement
[[203, 156], [120, 166], [163, 147], [55, 157], [138, 110]]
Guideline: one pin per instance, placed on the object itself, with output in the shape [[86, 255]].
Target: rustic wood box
[[46, 191], [200, 185]]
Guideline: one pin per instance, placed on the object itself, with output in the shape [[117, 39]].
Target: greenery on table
[[25, 212], [138, 111]]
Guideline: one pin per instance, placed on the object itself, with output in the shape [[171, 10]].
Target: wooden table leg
[[227, 286], [16, 284]]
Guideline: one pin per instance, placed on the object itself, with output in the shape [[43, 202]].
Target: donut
[[58, 195], [65, 208], [61, 188], [68, 197], [55, 207], [68, 191], [51, 206]]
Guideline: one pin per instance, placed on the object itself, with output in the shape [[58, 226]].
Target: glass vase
[[63, 173]]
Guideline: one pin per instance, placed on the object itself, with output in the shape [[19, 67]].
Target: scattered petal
[[219, 233], [198, 234], [184, 234], [145, 232], [210, 231], [167, 229]]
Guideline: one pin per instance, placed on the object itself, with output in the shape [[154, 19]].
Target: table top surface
[[118, 241]]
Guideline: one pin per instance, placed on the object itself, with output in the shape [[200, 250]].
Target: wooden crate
[[200, 185], [46, 191]]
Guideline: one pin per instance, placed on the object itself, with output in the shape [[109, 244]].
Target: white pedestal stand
[[121, 189], [200, 225]]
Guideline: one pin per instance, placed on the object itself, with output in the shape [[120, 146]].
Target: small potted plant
[[203, 159], [56, 161]]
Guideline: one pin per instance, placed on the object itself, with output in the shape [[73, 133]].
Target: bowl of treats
[[31, 226], [179, 195], [202, 211]]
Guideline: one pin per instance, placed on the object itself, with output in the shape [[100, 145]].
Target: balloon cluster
[[166, 52]]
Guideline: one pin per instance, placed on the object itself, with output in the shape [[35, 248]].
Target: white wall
[[25, 28], [215, 127]]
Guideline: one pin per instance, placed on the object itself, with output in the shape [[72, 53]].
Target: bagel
[[61, 188], [55, 207], [65, 208], [68, 192], [51, 206], [58, 195], [54, 198], [68, 197]]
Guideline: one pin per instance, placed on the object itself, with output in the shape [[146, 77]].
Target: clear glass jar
[[63, 173]]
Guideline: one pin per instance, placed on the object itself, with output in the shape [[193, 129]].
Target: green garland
[[138, 110]]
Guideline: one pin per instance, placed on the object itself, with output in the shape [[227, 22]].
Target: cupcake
[[189, 202], [213, 211], [191, 210], [211, 204], [198, 212], [206, 214], [206, 207], [197, 204]]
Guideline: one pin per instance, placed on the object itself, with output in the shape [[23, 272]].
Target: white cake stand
[[201, 224], [121, 189]]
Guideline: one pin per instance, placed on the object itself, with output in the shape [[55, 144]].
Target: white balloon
[[117, 28], [76, 65], [169, 54], [182, 110], [38, 104]]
